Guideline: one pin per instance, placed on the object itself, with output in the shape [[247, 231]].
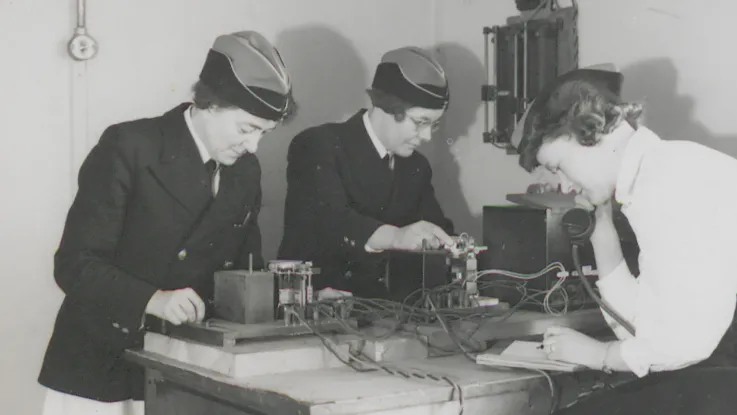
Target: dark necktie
[[389, 161], [212, 170]]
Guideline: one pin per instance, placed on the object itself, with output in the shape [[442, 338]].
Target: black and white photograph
[[368, 207]]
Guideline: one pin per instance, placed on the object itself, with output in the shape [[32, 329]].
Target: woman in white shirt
[[673, 193]]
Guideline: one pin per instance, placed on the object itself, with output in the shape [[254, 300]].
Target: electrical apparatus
[[530, 51], [461, 264], [528, 235], [245, 301], [244, 307]]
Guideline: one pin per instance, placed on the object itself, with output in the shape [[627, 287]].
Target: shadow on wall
[[670, 115], [328, 80], [466, 74]]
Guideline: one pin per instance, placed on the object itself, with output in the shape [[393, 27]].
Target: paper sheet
[[525, 354]]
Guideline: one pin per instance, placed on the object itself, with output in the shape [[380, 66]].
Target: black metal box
[[526, 239]]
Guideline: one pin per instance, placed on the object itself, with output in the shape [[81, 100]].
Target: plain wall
[[53, 109], [35, 114]]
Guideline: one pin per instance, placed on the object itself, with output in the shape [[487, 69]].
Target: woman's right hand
[[177, 306]]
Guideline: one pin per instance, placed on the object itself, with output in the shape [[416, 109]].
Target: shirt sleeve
[[371, 250], [683, 301], [617, 289]]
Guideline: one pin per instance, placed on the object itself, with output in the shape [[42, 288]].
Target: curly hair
[[205, 98], [580, 110]]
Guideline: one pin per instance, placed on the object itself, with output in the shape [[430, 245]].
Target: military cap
[[244, 69], [413, 75]]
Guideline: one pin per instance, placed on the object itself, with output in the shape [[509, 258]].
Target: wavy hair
[[579, 110]]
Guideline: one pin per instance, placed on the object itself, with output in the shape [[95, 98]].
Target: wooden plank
[[226, 334]]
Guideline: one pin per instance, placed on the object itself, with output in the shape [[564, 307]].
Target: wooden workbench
[[298, 377]]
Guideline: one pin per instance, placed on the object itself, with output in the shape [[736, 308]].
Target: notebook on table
[[525, 355]]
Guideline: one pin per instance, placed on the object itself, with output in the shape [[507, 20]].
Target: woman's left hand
[[568, 345]]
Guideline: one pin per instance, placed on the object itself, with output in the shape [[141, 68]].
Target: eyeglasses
[[422, 124]]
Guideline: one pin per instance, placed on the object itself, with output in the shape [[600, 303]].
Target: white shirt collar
[[197, 140], [374, 138], [642, 141]]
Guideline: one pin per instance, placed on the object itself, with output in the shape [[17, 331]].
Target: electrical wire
[[554, 265], [360, 362], [557, 288], [420, 308], [473, 359], [416, 308]]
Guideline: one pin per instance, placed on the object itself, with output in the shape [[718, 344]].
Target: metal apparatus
[[460, 257], [527, 53], [526, 236], [296, 295], [464, 267], [245, 303]]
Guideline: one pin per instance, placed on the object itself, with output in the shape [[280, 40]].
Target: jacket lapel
[[405, 182], [180, 169], [370, 173], [239, 184]]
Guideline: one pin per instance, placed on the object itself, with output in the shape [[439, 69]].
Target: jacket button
[[116, 325], [182, 255], [125, 330], [228, 264]]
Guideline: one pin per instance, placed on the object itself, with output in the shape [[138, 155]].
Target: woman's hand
[[568, 345]]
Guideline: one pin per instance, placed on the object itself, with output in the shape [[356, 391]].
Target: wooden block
[[396, 348], [244, 297]]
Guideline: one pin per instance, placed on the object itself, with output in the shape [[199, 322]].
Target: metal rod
[[516, 66], [486, 101], [81, 13], [547, 3], [524, 66], [424, 256]]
